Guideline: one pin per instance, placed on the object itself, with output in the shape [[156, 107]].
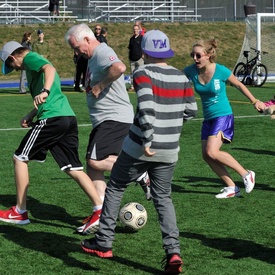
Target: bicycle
[[253, 72]]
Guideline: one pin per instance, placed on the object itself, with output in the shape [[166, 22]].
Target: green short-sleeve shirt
[[56, 103]]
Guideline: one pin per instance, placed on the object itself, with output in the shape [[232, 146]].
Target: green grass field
[[218, 237]]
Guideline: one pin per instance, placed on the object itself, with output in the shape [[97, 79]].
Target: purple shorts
[[212, 127]]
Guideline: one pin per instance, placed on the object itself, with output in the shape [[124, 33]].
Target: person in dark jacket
[[135, 52], [80, 72]]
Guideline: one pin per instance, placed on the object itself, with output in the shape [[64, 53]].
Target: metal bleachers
[[18, 12], [127, 11]]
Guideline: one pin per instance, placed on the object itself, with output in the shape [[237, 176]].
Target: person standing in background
[[142, 30], [104, 32], [80, 72], [40, 46], [26, 42], [54, 7], [97, 33], [135, 52]]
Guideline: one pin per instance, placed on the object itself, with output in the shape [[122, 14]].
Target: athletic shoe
[[80, 228], [90, 246], [249, 181], [91, 225], [12, 216], [172, 264], [144, 182], [229, 192]]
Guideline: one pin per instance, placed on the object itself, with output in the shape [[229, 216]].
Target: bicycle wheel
[[239, 71], [259, 75]]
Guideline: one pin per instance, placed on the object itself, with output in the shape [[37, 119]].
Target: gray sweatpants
[[126, 170]]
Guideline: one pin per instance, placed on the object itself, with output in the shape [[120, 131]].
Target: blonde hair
[[209, 46]]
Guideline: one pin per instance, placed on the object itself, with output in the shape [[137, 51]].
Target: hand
[[26, 122], [147, 152], [96, 90], [40, 99], [259, 106]]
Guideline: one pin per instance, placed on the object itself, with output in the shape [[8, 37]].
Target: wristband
[[45, 90], [255, 101]]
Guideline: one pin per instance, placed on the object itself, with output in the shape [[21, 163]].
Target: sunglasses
[[197, 55]]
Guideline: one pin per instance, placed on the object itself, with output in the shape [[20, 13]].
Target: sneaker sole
[[174, 268], [229, 196], [15, 221], [90, 230], [100, 254]]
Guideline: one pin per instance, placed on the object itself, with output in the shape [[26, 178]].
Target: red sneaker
[[12, 216], [92, 224], [172, 264], [90, 246]]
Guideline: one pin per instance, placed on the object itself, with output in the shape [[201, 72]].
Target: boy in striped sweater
[[165, 101]]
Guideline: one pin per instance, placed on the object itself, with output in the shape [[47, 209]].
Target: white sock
[[97, 207], [19, 211], [247, 174], [102, 198]]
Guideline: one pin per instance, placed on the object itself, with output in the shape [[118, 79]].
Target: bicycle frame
[[252, 72]]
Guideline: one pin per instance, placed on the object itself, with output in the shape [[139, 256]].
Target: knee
[[208, 155], [93, 164]]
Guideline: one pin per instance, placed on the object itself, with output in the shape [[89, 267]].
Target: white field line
[[89, 125]]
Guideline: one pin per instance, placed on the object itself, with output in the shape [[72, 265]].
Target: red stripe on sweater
[[165, 92]]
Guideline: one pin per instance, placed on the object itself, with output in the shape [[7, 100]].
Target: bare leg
[[21, 175], [217, 159], [86, 184], [95, 170]]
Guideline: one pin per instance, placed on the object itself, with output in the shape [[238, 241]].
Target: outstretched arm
[[259, 105]]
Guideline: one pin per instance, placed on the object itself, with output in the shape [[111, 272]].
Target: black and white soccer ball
[[133, 216]]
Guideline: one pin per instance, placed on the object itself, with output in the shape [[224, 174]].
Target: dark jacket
[[135, 51]]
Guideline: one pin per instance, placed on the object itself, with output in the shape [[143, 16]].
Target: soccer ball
[[133, 216]]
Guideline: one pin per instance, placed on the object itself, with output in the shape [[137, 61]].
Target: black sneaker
[[172, 264], [144, 182], [90, 246]]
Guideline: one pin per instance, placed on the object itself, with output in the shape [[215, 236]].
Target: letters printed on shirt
[[217, 87]]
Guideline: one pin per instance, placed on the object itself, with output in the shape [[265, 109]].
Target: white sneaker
[[229, 192], [249, 181], [144, 182], [91, 224]]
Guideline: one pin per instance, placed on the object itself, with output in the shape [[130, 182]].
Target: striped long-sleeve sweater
[[165, 100]]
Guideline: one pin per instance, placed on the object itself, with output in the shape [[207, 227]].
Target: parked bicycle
[[253, 72]]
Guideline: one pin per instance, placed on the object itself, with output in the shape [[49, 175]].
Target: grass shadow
[[239, 248], [54, 245], [256, 151], [136, 265]]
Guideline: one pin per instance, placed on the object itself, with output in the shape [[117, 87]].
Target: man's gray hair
[[79, 32]]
